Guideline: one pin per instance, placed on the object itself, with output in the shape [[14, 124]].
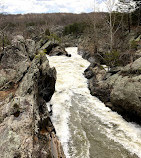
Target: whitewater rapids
[[85, 127]]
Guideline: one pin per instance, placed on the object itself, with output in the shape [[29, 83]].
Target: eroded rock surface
[[51, 47], [25, 86], [119, 89]]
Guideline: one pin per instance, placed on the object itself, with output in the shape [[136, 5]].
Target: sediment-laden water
[[85, 127]]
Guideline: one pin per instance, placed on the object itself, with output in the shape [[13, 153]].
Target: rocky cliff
[[26, 83], [119, 88]]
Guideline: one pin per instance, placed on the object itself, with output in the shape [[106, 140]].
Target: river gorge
[[84, 125]]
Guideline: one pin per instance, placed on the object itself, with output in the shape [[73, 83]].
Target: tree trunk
[[111, 33], [129, 24], [3, 44]]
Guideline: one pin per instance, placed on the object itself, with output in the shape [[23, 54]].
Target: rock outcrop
[[119, 88], [26, 83], [51, 47]]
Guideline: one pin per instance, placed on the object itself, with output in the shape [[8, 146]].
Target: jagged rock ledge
[[119, 88], [26, 83]]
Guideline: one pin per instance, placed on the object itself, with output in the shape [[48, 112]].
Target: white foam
[[70, 80], [60, 118]]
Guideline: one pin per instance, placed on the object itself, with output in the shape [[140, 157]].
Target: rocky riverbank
[[119, 88], [26, 83]]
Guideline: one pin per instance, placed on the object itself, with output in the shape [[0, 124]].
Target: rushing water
[[85, 127]]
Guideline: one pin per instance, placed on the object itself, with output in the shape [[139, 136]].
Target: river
[[85, 127]]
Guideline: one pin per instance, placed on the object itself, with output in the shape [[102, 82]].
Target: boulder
[[58, 51], [95, 74], [134, 67], [68, 55], [52, 48], [115, 70], [88, 73], [120, 88], [126, 91], [14, 63], [126, 95], [47, 45], [31, 48], [18, 38]]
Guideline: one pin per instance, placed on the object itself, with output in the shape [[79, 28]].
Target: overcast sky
[[49, 6]]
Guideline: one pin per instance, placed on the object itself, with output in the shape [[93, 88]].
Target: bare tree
[[126, 6], [94, 28], [93, 19], [113, 24], [111, 6]]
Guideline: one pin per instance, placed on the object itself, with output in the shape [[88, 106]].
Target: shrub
[[4, 41], [40, 54], [30, 24], [54, 37], [112, 58], [47, 32], [75, 28], [133, 44]]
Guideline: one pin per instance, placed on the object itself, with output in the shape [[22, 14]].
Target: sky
[[50, 6]]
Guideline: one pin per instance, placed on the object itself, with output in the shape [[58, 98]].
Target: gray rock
[[88, 73], [30, 46], [25, 126], [126, 94], [121, 88], [134, 67], [49, 45], [17, 39], [114, 70], [14, 63], [3, 80], [58, 51], [52, 48]]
